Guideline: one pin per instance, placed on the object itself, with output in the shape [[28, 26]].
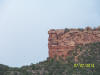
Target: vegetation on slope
[[87, 54]]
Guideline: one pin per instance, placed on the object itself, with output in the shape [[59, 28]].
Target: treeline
[[87, 54]]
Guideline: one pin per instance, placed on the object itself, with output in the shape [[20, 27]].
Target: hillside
[[83, 54]]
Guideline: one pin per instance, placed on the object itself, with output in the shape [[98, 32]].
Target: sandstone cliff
[[61, 41]]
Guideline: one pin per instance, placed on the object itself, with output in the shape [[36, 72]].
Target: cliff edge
[[61, 41]]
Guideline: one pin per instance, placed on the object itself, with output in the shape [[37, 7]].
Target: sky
[[24, 26]]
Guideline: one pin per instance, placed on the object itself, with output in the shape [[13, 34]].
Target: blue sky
[[24, 26]]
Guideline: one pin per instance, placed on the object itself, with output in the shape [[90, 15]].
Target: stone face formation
[[61, 41]]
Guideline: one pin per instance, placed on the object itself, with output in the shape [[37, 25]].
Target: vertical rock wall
[[61, 41]]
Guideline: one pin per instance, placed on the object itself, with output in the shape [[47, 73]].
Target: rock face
[[61, 41]]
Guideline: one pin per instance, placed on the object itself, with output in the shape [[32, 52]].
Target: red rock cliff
[[61, 41]]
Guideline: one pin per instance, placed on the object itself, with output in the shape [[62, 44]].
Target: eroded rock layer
[[61, 41]]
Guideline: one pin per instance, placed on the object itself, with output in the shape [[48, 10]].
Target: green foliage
[[90, 54], [66, 30], [80, 29], [3, 69]]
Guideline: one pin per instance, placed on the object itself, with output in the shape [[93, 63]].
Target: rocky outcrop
[[61, 41]]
